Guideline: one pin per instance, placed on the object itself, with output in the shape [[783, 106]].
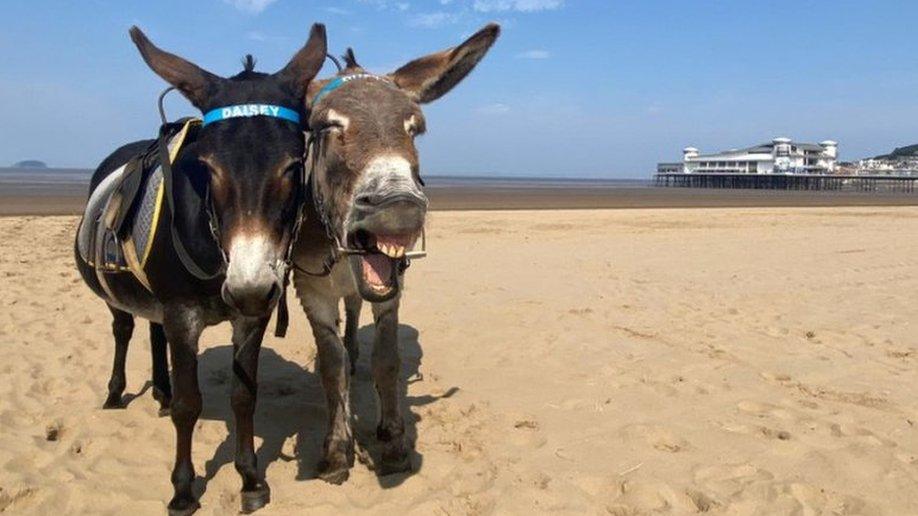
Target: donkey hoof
[[165, 401], [113, 401], [183, 506], [392, 465], [336, 475], [160, 396], [255, 499]]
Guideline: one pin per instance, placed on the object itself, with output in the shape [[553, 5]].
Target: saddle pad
[[100, 246]]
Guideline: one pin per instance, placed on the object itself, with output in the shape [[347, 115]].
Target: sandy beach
[[730, 361]]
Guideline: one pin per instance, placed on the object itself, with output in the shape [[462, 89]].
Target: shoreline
[[70, 199]]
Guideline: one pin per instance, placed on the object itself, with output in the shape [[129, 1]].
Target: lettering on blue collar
[[338, 82], [248, 110]]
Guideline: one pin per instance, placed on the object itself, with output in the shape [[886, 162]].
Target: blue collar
[[247, 110], [340, 81]]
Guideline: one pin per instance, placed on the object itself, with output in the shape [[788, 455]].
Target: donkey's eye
[[330, 127], [293, 170], [413, 126]]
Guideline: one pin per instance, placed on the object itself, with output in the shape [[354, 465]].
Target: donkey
[[367, 204], [228, 260]]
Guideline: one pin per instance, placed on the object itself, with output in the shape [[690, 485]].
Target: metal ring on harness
[[335, 60], [162, 111]]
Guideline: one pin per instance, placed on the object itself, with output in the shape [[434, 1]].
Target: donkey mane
[[248, 70]]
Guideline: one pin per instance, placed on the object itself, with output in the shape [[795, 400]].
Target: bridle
[[190, 264], [337, 249]]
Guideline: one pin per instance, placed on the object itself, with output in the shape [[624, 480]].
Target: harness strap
[[184, 256], [327, 265], [283, 314], [312, 188]]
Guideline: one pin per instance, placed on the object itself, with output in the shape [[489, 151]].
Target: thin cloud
[[523, 6], [494, 109], [534, 54], [386, 4], [337, 11], [250, 6], [432, 20], [255, 35]]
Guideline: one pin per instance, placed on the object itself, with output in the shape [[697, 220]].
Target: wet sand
[[728, 361], [69, 200]]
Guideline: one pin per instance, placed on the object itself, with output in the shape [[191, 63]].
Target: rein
[[328, 263], [166, 164]]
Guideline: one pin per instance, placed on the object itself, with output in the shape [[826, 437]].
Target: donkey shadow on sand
[[291, 403]]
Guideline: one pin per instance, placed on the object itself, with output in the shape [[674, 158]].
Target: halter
[[216, 115], [340, 81], [250, 110], [313, 148]]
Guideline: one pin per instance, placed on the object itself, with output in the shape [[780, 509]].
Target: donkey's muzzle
[[252, 299], [398, 213], [254, 275]]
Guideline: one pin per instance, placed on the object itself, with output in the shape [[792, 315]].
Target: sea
[[27, 191], [64, 180]]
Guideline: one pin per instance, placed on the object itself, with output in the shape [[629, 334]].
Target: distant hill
[[30, 163], [909, 151]]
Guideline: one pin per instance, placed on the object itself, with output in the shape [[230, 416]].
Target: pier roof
[[764, 148]]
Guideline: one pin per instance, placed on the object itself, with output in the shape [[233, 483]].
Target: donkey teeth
[[392, 250]]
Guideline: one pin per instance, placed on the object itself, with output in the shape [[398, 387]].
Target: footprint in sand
[[635, 498], [658, 437]]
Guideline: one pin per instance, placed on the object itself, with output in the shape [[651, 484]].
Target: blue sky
[[573, 88]]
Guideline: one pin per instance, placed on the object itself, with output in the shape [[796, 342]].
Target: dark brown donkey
[[367, 210], [220, 251]]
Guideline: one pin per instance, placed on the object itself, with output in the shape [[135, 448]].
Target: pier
[[805, 182]]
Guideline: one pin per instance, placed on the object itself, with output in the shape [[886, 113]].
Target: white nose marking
[[388, 168], [250, 261]]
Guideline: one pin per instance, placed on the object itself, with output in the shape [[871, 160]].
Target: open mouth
[[377, 269]]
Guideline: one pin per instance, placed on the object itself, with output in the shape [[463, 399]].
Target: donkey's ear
[[306, 63], [428, 78], [195, 83]]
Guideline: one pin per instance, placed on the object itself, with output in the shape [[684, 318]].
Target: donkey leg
[[247, 337], [122, 329], [338, 454], [352, 306], [386, 366], [162, 389], [183, 328]]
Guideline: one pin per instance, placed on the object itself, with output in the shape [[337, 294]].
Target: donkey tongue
[[377, 269]]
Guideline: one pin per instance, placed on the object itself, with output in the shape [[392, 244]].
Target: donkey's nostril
[[367, 199], [251, 299]]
